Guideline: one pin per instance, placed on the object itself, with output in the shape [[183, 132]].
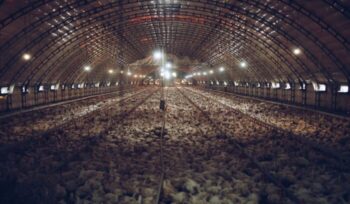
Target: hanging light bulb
[[157, 55], [297, 51], [168, 65], [87, 68], [26, 56], [243, 64]]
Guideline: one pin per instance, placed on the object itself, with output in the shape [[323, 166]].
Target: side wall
[[325, 101], [17, 100]]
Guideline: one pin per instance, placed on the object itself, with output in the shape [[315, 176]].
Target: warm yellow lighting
[[111, 71], [87, 68], [157, 55], [26, 56], [211, 72], [297, 51], [243, 64], [221, 69]]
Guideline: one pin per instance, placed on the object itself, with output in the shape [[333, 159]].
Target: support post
[[23, 100], [292, 92], [334, 94], [304, 96], [35, 96], [8, 102], [317, 99]]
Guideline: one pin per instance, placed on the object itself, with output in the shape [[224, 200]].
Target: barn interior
[[174, 101]]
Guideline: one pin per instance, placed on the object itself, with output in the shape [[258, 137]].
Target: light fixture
[[205, 73], [198, 73], [174, 74], [194, 74], [297, 51], [135, 76], [211, 72], [243, 64], [26, 56], [168, 65], [167, 75], [221, 69], [111, 71], [157, 55], [87, 68], [129, 73], [122, 72]]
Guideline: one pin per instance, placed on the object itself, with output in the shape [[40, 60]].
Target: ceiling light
[[221, 69], [87, 68], [205, 73], [168, 65], [243, 64], [157, 55], [211, 72], [26, 56], [167, 75], [122, 72], [129, 73], [174, 74], [297, 51]]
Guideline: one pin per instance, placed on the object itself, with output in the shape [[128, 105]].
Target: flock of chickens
[[91, 152]]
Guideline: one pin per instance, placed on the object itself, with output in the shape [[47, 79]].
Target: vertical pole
[[304, 95], [35, 95], [23, 99], [284, 94], [292, 94], [8, 102], [334, 93], [54, 95], [317, 99]]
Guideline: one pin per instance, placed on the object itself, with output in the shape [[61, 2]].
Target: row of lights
[[242, 64], [111, 71], [205, 73], [221, 69], [165, 68], [159, 55]]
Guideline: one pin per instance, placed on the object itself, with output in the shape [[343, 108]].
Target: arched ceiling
[[63, 36]]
